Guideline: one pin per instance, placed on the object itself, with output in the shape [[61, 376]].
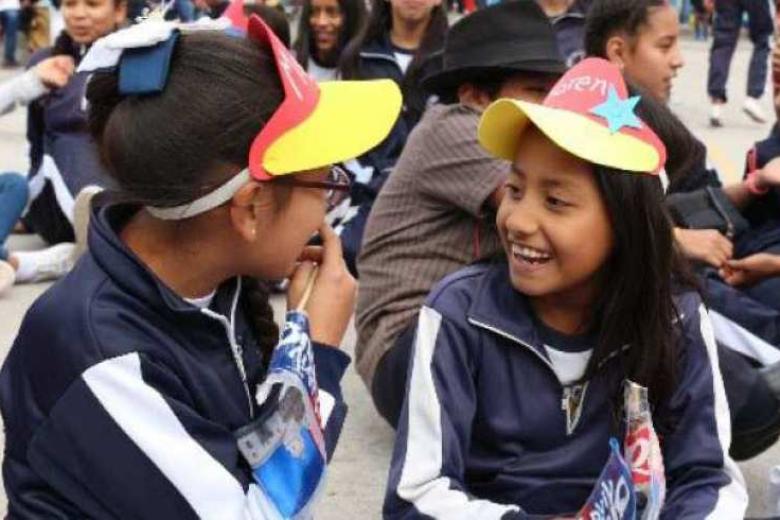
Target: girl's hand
[[55, 72], [769, 175], [751, 269], [704, 245], [332, 299]]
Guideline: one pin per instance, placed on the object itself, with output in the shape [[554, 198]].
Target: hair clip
[[142, 52]]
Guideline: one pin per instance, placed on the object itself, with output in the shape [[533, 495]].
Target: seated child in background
[[50, 73], [519, 365], [642, 38]]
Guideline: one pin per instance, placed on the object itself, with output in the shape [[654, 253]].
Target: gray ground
[[359, 471]]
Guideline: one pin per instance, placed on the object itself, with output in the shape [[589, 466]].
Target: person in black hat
[[435, 213]]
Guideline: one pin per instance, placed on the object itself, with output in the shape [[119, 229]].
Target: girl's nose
[[320, 19], [521, 221], [677, 59]]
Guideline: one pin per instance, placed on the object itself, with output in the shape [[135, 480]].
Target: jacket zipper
[[566, 390], [234, 346], [566, 402], [513, 338]]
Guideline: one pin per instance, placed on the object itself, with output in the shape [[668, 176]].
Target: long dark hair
[[605, 18], [635, 308], [378, 27], [159, 157], [354, 14]]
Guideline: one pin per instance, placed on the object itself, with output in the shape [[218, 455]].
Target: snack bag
[[285, 446], [643, 452]]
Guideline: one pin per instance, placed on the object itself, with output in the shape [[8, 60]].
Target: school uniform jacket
[[485, 432], [63, 156], [120, 399], [377, 61]]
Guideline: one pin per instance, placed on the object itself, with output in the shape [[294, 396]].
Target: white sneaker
[[7, 276], [753, 109], [47, 264], [715, 115], [82, 210]]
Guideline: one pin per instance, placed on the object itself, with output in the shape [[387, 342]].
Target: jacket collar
[[379, 48], [127, 271], [503, 310]]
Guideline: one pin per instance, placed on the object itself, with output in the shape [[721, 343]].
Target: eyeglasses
[[336, 186]]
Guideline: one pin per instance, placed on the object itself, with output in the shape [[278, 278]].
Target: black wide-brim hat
[[512, 37]]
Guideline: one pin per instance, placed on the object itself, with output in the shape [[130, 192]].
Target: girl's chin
[[82, 39]]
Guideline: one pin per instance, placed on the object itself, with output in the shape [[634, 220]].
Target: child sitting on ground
[[519, 365]]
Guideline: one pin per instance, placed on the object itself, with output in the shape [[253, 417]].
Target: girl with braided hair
[[131, 383]]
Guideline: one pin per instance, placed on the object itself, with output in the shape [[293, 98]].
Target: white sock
[[27, 262]]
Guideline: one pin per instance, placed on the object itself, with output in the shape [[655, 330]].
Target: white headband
[[206, 203]]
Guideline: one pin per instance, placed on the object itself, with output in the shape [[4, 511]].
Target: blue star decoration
[[618, 112]]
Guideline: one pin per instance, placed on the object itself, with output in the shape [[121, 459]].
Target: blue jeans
[[13, 199], [9, 19], [185, 10]]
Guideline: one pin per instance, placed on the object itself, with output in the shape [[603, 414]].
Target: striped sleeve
[[123, 443], [702, 480], [427, 468], [458, 172]]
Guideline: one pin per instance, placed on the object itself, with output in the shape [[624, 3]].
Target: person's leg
[[728, 16], [388, 388], [766, 292], [742, 323], [185, 10], [13, 199], [760, 27], [41, 265], [754, 405], [10, 21]]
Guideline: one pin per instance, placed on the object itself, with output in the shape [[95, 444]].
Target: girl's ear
[[616, 49], [250, 207]]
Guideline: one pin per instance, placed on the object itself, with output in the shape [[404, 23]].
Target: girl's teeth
[[529, 253]]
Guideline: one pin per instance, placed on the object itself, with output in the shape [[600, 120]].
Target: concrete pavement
[[359, 470]]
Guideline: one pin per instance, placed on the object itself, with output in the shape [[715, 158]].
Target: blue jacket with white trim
[[120, 399], [63, 156], [484, 431]]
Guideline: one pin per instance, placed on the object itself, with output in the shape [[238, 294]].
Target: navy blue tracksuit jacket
[[120, 399], [483, 433]]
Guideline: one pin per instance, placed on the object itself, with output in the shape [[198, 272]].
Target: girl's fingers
[[312, 254], [332, 255]]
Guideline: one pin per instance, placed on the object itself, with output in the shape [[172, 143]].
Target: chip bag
[[285, 446]]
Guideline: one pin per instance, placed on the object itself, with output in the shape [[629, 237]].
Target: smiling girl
[[519, 365], [332, 25]]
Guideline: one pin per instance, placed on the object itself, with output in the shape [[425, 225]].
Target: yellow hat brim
[[504, 121], [351, 118]]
